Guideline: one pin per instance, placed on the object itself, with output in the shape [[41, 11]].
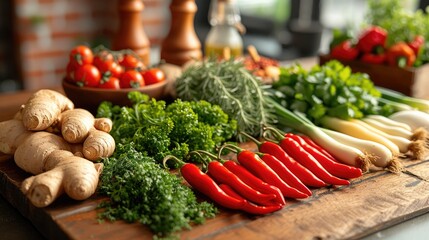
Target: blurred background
[[37, 35]]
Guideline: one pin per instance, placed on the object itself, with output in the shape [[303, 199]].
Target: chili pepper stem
[[275, 131], [230, 147], [199, 155], [206, 161], [211, 155], [169, 157], [256, 141]]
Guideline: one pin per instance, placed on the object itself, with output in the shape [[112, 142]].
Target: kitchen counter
[[16, 226]]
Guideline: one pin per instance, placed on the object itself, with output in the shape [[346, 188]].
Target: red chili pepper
[[295, 150], [222, 175], [344, 51], [372, 38], [285, 173], [416, 44], [303, 174], [204, 184], [319, 148], [335, 168], [252, 162], [247, 177], [249, 207], [400, 55], [373, 58], [254, 181]]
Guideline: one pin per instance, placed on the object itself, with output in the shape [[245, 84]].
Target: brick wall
[[46, 30]]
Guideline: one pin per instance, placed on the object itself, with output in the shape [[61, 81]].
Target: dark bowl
[[89, 98]]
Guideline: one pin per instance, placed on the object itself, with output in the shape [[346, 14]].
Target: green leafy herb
[[232, 87], [141, 191], [331, 89], [158, 130]]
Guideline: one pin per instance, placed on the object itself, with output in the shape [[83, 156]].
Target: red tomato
[[70, 72], [153, 75], [81, 55], [109, 83], [87, 75], [103, 61], [129, 61], [116, 70], [106, 64], [131, 79]]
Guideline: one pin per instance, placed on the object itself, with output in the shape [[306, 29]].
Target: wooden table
[[371, 203]]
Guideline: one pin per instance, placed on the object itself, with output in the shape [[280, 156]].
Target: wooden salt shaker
[[130, 34], [181, 43]]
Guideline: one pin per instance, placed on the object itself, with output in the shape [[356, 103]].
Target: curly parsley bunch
[[142, 191], [158, 129]]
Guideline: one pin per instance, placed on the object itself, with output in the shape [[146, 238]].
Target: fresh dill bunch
[[235, 89]]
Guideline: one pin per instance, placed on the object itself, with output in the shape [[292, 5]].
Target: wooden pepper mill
[[181, 43], [130, 34]]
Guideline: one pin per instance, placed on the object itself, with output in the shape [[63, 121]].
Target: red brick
[[46, 54], [60, 71], [46, 1], [20, 2], [74, 35], [41, 79], [74, 15], [34, 73], [27, 36]]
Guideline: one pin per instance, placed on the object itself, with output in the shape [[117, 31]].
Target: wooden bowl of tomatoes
[[97, 75]]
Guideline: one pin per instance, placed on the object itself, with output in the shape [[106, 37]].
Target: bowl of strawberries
[[100, 74]]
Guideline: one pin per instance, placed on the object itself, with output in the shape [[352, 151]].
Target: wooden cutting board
[[371, 203]]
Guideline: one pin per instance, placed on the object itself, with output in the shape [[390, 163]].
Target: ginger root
[[12, 134], [103, 124], [43, 108], [32, 153], [55, 168], [75, 125], [64, 172], [78, 125], [60, 164], [97, 145]]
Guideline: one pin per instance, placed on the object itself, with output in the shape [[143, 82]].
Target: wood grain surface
[[371, 203]]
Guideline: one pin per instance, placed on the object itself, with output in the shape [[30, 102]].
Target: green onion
[[396, 106], [420, 104], [344, 153]]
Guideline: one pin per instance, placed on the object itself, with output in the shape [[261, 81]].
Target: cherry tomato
[[87, 75], [116, 70], [129, 61], [109, 83], [153, 75], [81, 55], [106, 64], [103, 61], [70, 72], [131, 79]]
